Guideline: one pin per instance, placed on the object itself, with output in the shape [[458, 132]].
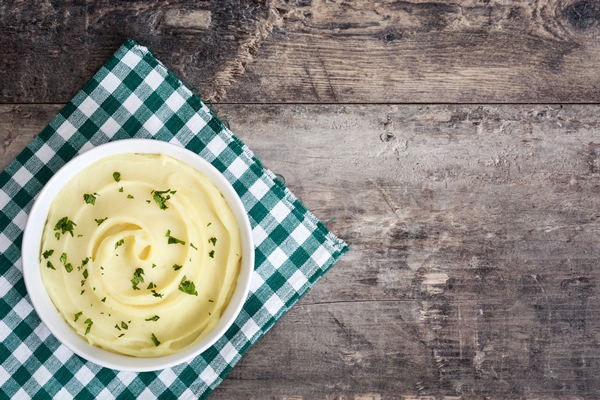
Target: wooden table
[[456, 145]]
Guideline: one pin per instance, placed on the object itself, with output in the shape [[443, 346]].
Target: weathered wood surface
[[473, 270], [334, 51]]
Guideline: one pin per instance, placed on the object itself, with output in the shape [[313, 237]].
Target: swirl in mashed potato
[[140, 254]]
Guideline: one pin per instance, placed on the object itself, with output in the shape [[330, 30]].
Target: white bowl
[[31, 253]]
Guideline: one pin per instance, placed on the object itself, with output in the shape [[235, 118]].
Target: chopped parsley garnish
[[85, 273], [153, 265], [121, 189], [155, 340], [117, 326], [57, 235], [90, 198], [213, 240], [47, 253], [209, 224], [211, 301], [121, 335], [161, 196], [137, 278], [89, 323], [117, 176], [151, 285], [148, 201], [124, 325], [155, 318], [173, 240], [129, 196], [192, 246], [177, 267], [99, 221], [82, 292], [83, 263], [49, 265], [156, 294], [211, 254], [119, 243], [103, 300], [64, 225], [79, 314], [63, 260], [187, 286]]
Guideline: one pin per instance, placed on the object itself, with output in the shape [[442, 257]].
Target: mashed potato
[[140, 254]]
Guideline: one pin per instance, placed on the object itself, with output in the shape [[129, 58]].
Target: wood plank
[[315, 51], [471, 51], [473, 265], [49, 50]]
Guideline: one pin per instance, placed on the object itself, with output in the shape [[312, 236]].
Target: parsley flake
[[187, 286], [99, 221], [177, 267], [213, 240], [85, 273], [151, 285], [63, 258], [173, 240], [49, 265], [121, 189], [155, 318], [119, 243], [124, 325], [64, 225], [90, 198], [89, 323], [156, 294], [121, 335], [192, 246], [117, 176], [211, 254], [79, 314], [153, 265], [103, 300], [47, 253], [155, 340], [161, 196], [137, 278], [129, 196]]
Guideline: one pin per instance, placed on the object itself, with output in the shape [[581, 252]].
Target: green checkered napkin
[[134, 95]]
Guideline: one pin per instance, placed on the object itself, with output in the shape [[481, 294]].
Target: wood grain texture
[[427, 51], [324, 51], [475, 244], [49, 49]]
